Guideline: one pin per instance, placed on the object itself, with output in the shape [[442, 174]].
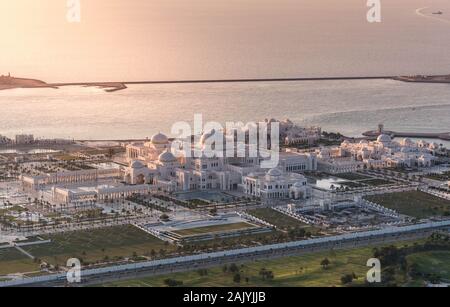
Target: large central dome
[[160, 138]]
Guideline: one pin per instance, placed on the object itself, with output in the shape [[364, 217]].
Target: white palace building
[[153, 162], [382, 153]]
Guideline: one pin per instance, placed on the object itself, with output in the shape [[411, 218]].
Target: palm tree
[[325, 263]]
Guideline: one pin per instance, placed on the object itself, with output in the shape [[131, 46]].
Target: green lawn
[[298, 271], [413, 203], [434, 262], [95, 245], [276, 218], [13, 261], [213, 228]]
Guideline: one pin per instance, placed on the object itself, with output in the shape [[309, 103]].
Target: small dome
[[137, 164], [167, 157], [298, 184], [407, 141], [384, 138], [422, 143], [159, 138], [434, 145], [274, 172]]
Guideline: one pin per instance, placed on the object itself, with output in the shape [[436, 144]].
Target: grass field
[[298, 271], [94, 245], [435, 262], [276, 218], [413, 203], [13, 261], [213, 228]]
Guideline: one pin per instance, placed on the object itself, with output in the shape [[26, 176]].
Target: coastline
[[8, 82], [122, 85]]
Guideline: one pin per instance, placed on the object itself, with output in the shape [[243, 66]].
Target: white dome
[[384, 138], [159, 138], [298, 185], [167, 157], [274, 172], [137, 164], [434, 145], [407, 141]]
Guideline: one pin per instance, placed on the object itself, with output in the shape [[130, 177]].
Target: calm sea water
[[349, 107]]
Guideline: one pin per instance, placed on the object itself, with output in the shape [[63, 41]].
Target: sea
[[349, 107], [233, 39]]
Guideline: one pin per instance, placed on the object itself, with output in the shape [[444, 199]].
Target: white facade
[[4, 140], [22, 139], [293, 134], [276, 184], [200, 172], [68, 177], [384, 152], [102, 193]]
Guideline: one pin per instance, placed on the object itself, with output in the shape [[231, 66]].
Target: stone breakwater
[[443, 136]]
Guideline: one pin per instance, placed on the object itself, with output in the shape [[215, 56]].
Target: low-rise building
[[276, 184], [23, 139], [382, 153]]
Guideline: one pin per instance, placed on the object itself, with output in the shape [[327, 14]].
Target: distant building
[[35, 183], [276, 184], [4, 140], [292, 134], [382, 153], [6, 80], [22, 139], [153, 163]]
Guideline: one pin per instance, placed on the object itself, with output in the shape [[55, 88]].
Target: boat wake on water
[[420, 12]]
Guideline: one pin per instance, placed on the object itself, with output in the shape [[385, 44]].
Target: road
[[189, 263]]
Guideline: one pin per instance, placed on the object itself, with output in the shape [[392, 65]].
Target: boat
[[438, 13]]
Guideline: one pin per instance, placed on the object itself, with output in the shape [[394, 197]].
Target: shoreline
[[444, 136], [122, 85]]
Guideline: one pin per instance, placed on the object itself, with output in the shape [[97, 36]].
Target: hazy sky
[[173, 39]]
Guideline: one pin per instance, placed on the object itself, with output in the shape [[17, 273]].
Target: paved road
[[188, 263]]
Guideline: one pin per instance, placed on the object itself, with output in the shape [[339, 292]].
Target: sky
[[126, 40]]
